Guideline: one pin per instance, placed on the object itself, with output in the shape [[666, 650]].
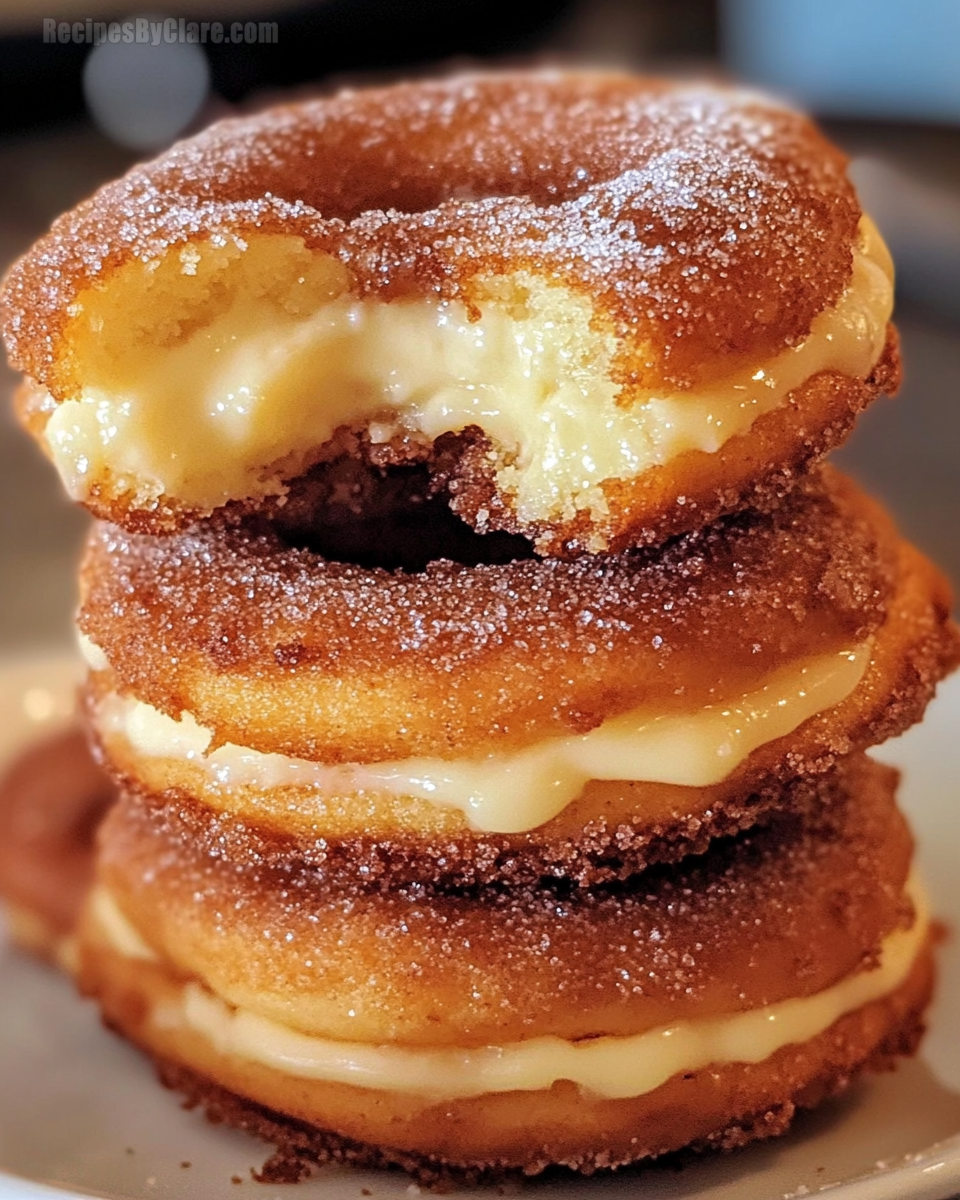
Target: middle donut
[[512, 719]]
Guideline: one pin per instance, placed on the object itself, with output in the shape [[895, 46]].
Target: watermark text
[[171, 29]]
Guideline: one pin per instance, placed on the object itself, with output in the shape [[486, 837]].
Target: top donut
[[604, 309]]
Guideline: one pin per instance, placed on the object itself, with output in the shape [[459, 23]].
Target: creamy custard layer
[[611, 1067], [513, 793], [215, 373]]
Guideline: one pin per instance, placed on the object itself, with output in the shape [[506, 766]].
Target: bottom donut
[[496, 1031], [479, 1138]]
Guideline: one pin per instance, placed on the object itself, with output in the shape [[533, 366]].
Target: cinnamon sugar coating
[[611, 831], [489, 1139], [613, 828], [707, 228], [675, 238], [778, 912], [705, 223], [275, 648]]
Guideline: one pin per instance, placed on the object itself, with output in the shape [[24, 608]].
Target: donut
[[481, 658], [511, 720], [52, 799], [508, 1029], [602, 310]]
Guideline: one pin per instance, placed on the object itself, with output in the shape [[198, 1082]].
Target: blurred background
[[883, 76]]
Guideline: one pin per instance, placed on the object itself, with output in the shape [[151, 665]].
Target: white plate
[[81, 1113]]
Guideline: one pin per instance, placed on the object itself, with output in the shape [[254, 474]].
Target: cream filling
[[116, 930], [245, 399], [92, 654], [512, 793], [610, 1067]]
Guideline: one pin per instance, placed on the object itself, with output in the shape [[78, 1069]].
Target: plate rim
[[933, 1174]]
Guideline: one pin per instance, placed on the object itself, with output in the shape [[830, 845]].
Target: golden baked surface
[[777, 912], [480, 659], [613, 828], [276, 648], [785, 912], [675, 207], [682, 271], [487, 1138]]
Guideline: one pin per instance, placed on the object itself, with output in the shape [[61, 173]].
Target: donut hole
[[351, 511]]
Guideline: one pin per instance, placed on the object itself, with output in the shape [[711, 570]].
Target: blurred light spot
[[39, 704], [142, 95]]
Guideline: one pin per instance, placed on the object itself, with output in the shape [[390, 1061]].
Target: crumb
[[130, 1150], [365, 1192], [186, 1164], [235, 1179]]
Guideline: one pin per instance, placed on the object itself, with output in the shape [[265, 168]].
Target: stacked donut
[[483, 656]]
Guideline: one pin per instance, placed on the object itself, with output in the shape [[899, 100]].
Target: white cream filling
[[512, 793], [248, 396], [115, 929], [91, 653], [611, 1067]]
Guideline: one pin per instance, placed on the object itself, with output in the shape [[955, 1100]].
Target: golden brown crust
[[705, 224], [611, 831], [274, 648], [614, 828], [485, 1138], [809, 900], [706, 227]]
